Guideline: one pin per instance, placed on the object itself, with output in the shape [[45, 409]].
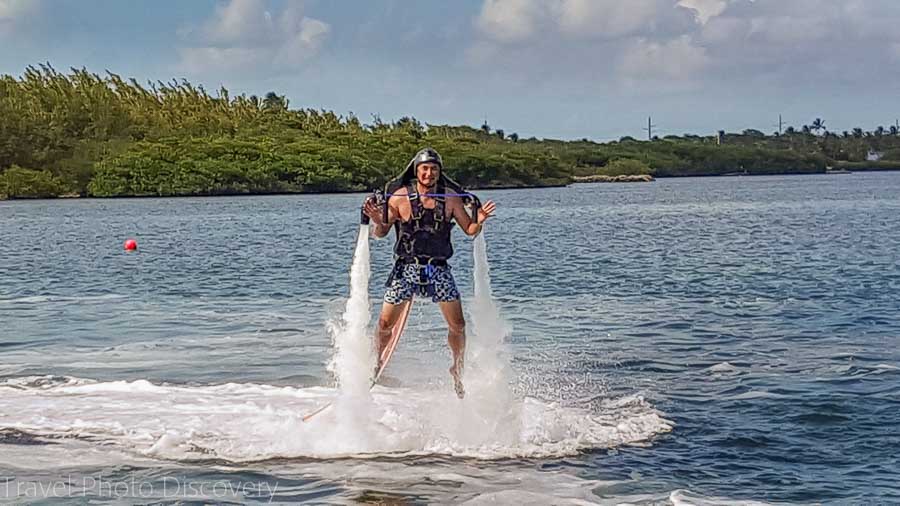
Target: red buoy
[[130, 245]]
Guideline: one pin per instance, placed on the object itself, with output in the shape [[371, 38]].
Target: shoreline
[[576, 180], [599, 178], [4, 198]]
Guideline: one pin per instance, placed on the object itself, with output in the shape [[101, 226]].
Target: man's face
[[428, 173]]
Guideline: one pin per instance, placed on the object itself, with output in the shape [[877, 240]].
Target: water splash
[[489, 328], [353, 359], [242, 422], [489, 414]]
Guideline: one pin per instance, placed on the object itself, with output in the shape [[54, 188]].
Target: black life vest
[[426, 236]]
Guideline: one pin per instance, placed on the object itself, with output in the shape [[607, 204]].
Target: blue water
[[758, 316]]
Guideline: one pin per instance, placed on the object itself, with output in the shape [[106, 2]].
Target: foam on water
[[248, 422], [687, 498], [43, 299]]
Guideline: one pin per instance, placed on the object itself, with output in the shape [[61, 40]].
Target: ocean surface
[[688, 341]]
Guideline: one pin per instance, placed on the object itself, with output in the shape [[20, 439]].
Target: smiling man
[[423, 214]]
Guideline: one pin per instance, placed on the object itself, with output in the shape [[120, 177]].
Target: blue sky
[[545, 68]]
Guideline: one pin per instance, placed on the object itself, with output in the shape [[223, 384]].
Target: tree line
[[86, 134]]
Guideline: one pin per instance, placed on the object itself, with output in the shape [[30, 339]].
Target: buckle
[[419, 263]]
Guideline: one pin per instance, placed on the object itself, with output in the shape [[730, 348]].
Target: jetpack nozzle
[[473, 205]]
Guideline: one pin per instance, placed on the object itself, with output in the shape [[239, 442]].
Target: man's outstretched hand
[[486, 211], [373, 211]]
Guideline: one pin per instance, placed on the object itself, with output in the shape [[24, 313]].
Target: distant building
[[874, 156], [720, 137]]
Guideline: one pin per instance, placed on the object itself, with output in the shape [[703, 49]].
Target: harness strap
[[418, 208]]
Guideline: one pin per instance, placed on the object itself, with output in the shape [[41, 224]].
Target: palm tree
[[894, 130], [817, 125], [879, 131], [858, 132]]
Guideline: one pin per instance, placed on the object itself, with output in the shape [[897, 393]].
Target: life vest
[[426, 236]]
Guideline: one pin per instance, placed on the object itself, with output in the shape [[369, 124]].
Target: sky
[[566, 69]]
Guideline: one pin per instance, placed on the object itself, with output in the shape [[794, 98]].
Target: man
[[422, 211]]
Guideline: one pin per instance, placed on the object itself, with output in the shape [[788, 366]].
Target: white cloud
[[613, 19], [725, 30], [586, 38], [606, 18], [304, 43], [782, 43], [510, 20], [515, 21], [787, 43], [14, 12], [239, 22], [677, 59], [705, 9], [245, 34], [12, 9]]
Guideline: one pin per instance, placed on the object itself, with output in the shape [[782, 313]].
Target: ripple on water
[[758, 314]]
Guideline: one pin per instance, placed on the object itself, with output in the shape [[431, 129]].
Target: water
[[354, 353], [690, 341]]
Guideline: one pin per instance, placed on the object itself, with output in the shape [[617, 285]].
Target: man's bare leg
[[456, 338], [390, 313]]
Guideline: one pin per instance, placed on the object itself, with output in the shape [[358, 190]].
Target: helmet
[[409, 173], [427, 155]]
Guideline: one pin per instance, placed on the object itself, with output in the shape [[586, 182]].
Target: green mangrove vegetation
[[85, 134]]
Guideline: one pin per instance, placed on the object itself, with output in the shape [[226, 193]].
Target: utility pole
[[650, 127], [779, 125]]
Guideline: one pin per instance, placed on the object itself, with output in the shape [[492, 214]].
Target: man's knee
[[389, 317], [457, 325], [385, 323]]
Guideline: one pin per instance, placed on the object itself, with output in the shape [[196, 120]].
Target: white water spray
[[489, 415], [487, 348], [353, 360], [353, 363]]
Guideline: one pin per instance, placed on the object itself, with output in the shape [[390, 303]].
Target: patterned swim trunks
[[406, 279]]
